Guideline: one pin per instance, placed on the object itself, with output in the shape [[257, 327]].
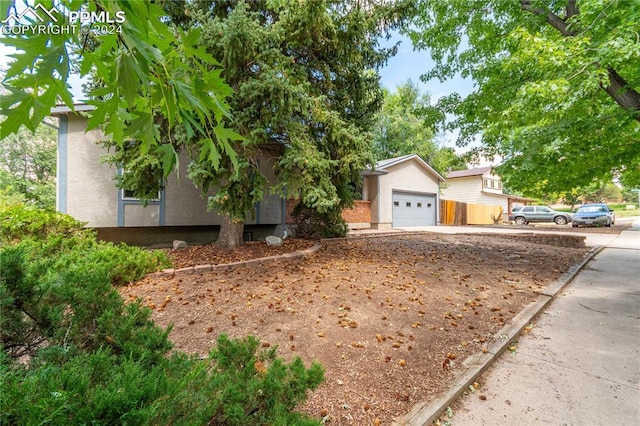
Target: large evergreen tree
[[306, 89]]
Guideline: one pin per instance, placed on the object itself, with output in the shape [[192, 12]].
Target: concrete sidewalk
[[580, 364]]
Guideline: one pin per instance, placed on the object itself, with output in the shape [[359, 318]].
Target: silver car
[[526, 214], [593, 214]]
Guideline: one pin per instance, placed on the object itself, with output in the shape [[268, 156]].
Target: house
[[480, 186], [403, 192], [86, 190]]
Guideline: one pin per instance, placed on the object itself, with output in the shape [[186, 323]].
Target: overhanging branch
[[618, 88]]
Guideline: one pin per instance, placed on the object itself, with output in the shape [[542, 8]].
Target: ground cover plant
[[73, 352]]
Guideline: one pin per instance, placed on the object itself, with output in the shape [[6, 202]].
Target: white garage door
[[411, 209]]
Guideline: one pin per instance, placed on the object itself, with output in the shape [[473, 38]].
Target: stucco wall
[[406, 176], [184, 206], [139, 215], [370, 192], [91, 195]]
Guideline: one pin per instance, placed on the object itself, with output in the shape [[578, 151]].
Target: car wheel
[[575, 226], [560, 220], [520, 220]]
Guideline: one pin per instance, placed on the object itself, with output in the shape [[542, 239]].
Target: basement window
[[128, 195]]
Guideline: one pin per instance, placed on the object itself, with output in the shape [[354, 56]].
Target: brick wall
[[360, 213]]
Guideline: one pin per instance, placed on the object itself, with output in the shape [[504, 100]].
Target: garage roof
[[382, 166]]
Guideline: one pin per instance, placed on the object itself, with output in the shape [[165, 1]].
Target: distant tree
[[571, 198], [28, 166], [601, 192], [401, 129], [557, 85], [630, 195]]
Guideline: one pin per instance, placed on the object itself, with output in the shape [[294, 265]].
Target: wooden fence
[[453, 212], [457, 213]]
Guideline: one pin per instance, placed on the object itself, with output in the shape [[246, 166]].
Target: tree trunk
[[622, 93], [230, 233]]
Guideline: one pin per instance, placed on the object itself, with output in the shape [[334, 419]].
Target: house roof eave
[[63, 109], [457, 174], [508, 196]]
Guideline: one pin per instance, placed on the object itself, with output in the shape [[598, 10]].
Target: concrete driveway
[[593, 239]]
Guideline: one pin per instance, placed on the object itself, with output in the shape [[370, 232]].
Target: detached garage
[[403, 192]]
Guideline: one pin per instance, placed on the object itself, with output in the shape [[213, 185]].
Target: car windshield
[[591, 209]]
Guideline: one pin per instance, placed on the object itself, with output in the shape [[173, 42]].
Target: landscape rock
[[272, 240], [179, 244]]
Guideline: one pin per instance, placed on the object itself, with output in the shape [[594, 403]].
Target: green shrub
[[311, 224], [73, 352], [56, 241], [240, 385], [74, 307], [19, 221], [101, 388]]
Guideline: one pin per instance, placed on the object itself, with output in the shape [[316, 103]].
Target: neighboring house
[[86, 190], [403, 191], [480, 186]]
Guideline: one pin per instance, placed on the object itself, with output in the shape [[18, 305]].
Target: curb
[[234, 265], [425, 413]]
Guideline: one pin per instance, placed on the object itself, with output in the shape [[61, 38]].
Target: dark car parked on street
[[594, 214], [526, 214]]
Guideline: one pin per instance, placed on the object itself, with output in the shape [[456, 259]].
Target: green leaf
[[143, 128], [18, 115], [128, 77], [168, 158], [209, 152]]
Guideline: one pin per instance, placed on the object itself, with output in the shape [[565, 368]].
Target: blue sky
[[411, 64]]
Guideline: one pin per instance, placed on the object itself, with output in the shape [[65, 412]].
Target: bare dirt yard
[[390, 318]]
